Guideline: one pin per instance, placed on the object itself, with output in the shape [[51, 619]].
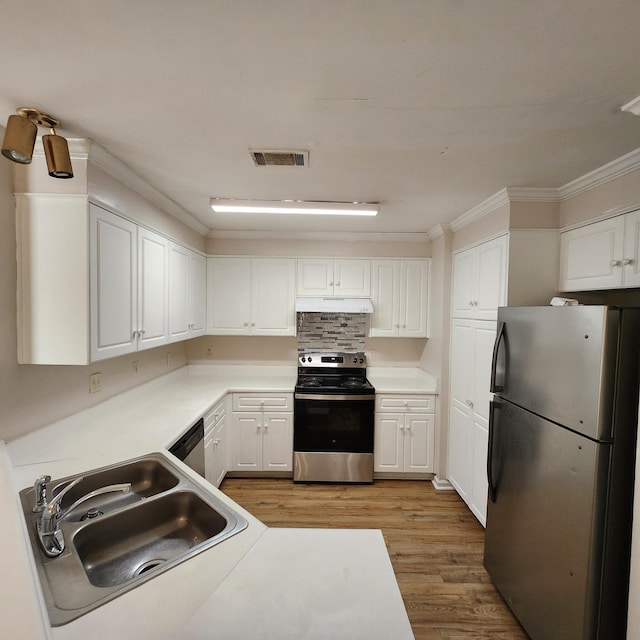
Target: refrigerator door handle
[[493, 406], [496, 388]]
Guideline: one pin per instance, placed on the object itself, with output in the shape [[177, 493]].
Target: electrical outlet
[[209, 351], [134, 367], [95, 382]]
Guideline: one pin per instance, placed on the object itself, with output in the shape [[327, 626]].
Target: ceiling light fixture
[[633, 106], [20, 137], [295, 207]]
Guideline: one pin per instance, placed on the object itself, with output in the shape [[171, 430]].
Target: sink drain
[[147, 566], [91, 514]]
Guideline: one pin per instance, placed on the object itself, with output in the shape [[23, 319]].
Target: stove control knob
[[361, 360], [309, 358], [355, 360], [304, 359]]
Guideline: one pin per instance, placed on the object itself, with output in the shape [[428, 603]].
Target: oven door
[[342, 423]]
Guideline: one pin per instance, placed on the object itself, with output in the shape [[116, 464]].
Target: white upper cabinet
[[345, 277], [480, 280], [399, 292], [250, 296], [273, 297], [114, 285], [602, 255], [153, 279], [187, 293]]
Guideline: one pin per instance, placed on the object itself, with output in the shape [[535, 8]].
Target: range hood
[[335, 305]]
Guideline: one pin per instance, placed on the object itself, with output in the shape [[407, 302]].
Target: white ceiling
[[428, 106]]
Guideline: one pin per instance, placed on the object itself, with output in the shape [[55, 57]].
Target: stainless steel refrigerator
[[562, 442]]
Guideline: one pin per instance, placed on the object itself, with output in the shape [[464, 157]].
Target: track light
[[20, 136], [19, 139]]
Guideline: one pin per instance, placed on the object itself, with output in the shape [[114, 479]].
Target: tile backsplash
[[326, 332]]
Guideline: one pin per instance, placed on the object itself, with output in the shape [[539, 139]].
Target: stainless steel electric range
[[334, 406]]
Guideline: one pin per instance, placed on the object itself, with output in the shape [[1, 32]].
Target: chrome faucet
[[48, 525]]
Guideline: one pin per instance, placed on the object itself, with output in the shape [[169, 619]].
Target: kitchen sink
[[118, 549], [116, 541], [148, 476]]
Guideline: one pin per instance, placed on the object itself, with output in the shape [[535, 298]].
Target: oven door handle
[[318, 396]]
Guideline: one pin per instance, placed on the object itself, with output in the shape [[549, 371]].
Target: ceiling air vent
[[280, 158]]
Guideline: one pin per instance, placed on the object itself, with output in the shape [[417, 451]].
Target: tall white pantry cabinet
[[517, 269]]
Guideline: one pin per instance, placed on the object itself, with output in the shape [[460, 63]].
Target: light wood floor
[[435, 545]]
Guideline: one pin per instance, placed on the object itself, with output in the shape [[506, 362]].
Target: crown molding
[[492, 203], [438, 231], [119, 170], [334, 236], [533, 194], [610, 171]]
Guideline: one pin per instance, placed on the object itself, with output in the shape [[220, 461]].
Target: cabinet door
[[491, 278], [228, 296], [113, 285], [315, 277], [220, 452], [460, 410], [352, 278], [153, 317], [418, 442], [459, 459], [197, 294], [484, 335], [414, 275], [277, 442], [247, 441], [385, 294], [479, 482], [209, 459], [389, 442], [462, 297], [179, 268], [631, 255], [591, 256], [273, 297]]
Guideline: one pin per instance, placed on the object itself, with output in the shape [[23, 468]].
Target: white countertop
[[215, 584], [409, 380]]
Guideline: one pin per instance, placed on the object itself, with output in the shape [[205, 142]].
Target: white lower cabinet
[[262, 428], [404, 434], [471, 351], [216, 444]]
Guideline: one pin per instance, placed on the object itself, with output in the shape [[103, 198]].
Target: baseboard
[[440, 484]]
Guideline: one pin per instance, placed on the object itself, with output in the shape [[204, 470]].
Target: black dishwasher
[[190, 447]]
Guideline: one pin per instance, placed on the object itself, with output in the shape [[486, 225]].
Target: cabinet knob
[[253, 324], [331, 284], [615, 263], [246, 324], [627, 261], [469, 404]]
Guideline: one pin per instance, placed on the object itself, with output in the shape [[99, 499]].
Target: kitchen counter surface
[[401, 380], [223, 579]]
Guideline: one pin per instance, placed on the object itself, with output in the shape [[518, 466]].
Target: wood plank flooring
[[435, 545]]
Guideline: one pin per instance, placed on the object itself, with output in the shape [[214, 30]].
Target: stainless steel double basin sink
[[116, 541]]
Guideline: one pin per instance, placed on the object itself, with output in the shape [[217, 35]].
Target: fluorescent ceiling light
[[633, 106], [297, 207]]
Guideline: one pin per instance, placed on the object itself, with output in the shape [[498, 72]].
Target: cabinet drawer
[[213, 417], [262, 402], [421, 404]]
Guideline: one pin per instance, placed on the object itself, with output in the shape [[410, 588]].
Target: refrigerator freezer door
[[543, 544], [562, 363]]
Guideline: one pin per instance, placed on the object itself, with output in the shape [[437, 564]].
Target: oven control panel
[[332, 360]]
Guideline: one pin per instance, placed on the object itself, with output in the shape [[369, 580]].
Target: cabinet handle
[[469, 404], [253, 324], [401, 428], [135, 334], [141, 332], [627, 261], [337, 284], [246, 324], [615, 263]]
